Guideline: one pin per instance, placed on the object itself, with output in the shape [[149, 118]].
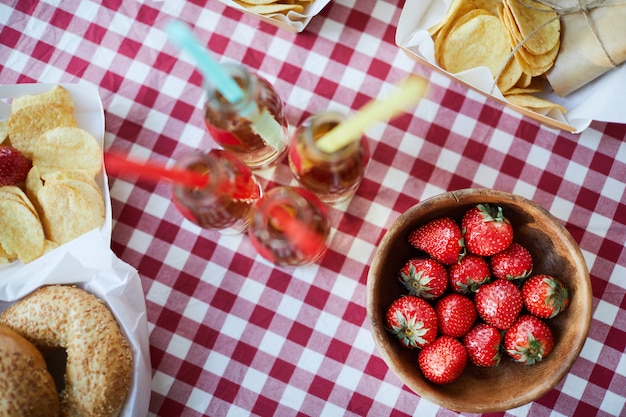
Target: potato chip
[[27, 124], [534, 103], [21, 233], [266, 9], [66, 148], [72, 175], [481, 41], [538, 20], [11, 192], [69, 211], [58, 96], [5, 258], [459, 8], [3, 130], [442, 39]]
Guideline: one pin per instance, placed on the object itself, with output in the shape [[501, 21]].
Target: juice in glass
[[255, 128], [225, 202], [289, 226], [333, 177]]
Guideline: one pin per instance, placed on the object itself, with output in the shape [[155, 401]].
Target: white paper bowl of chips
[[65, 147], [292, 16]]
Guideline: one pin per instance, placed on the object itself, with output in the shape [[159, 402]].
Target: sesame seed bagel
[[26, 387], [99, 359]]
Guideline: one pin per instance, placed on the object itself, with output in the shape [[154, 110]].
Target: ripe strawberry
[[483, 343], [14, 166], [424, 277], [443, 360], [515, 262], [545, 296], [412, 321], [486, 230], [468, 274], [456, 315], [441, 238], [499, 303], [529, 340]]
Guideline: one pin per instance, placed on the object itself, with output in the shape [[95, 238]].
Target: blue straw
[[182, 36]]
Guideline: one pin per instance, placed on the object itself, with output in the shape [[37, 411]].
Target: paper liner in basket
[[89, 263], [600, 99], [291, 21]]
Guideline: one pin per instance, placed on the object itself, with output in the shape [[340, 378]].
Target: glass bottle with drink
[[225, 202], [289, 226], [254, 128], [333, 177]]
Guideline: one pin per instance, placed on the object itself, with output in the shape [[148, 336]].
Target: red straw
[[306, 239], [119, 165]]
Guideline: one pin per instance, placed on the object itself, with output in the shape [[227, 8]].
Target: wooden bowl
[[510, 385]]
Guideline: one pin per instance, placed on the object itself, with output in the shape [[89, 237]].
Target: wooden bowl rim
[[466, 197]]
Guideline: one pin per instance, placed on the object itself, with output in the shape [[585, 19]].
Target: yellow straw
[[407, 94]]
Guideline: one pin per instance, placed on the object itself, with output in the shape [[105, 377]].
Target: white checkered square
[[613, 189], [299, 97], [103, 57], [591, 350], [157, 206], [606, 312], [524, 189], [179, 346], [216, 363], [161, 383], [310, 361], [352, 78], [332, 410], [233, 327], [254, 380], [463, 125], [69, 42], [501, 141], [328, 324], [198, 400], [349, 377], [252, 291], [388, 395], [192, 136], [368, 44], [317, 61], [176, 257], [139, 241], [86, 10], [158, 293], [617, 276], [486, 176], [360, 250], [538, 157], [137, 71], [574, 386], [613, 404], [293, 397], [271, 343], [599, 224], [448, 160], [561, 208], [575, 173], [196, 310]]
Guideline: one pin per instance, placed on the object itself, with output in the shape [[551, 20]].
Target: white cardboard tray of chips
[[87, 261], [601, 99], [291, 21]]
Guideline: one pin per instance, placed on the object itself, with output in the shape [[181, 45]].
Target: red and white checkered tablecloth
[[233, 335]]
